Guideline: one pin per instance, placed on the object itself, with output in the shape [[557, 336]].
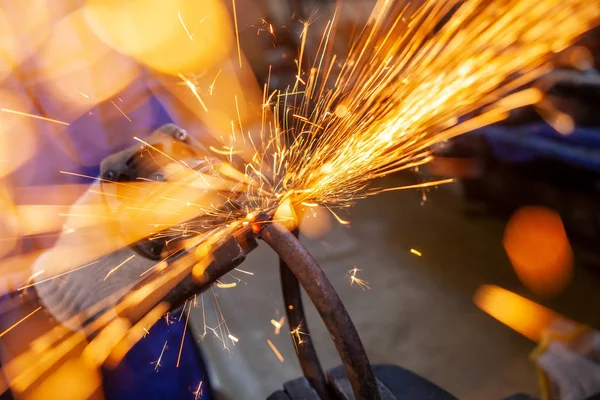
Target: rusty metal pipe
[[307, 355], [329, 305]]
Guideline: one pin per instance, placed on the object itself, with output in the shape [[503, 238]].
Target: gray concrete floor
[[419, 313]]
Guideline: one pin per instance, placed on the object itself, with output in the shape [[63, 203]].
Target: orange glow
[[151, 31], [523, 315], [8, 223], [79, 69], [82, 381], [13, 127], [538, 248], [316, 222], [286, 215]]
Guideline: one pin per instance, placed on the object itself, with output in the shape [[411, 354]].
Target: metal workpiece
[[183, 275], [330, 308], [307, 355]]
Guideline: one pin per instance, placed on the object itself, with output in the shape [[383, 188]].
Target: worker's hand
[[571, 363], [78, 277]]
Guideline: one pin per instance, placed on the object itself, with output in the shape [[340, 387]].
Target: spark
[[117, 267], [212, 85], [277, 353], [19, 321], [354, 279], [416, 252], [237, 32], [194, 90], [24, 114], [58, 276], [198, 392], [277, 324], [297, 334], [191, 36], [244, 272], [417, 186], [301, 80], [156, 363], [233, 338], [121, 111], [225, 152], [168, 319], [184, 332], [222, 285]]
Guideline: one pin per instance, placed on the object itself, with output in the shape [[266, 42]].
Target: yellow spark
[[194, 90], [121, 111], [212, 85], [416, 252], [233, 338], [277, 353], [301, 80], [24, 114], [19, 321], [191, 36], [237, 32], [225, 152], [417, 186], [278, 324], [354, 279], [117, 267], [221, 285]]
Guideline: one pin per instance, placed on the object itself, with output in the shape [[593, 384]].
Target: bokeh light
[[538, 248], [176, 36]]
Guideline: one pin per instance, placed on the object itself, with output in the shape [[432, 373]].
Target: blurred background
[[523, 212]]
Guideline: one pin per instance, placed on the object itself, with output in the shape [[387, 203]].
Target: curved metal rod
[[329, 306], [307, 355]]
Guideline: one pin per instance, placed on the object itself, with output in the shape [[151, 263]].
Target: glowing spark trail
[[58, 276], [19, 322], [354, 279], [194, 91], [190, 35], [278, 325], [416, 252], [24, 114], [156, 363], [121, 111], [237, 32], [117, 267], [198, 392], [277, 353]]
